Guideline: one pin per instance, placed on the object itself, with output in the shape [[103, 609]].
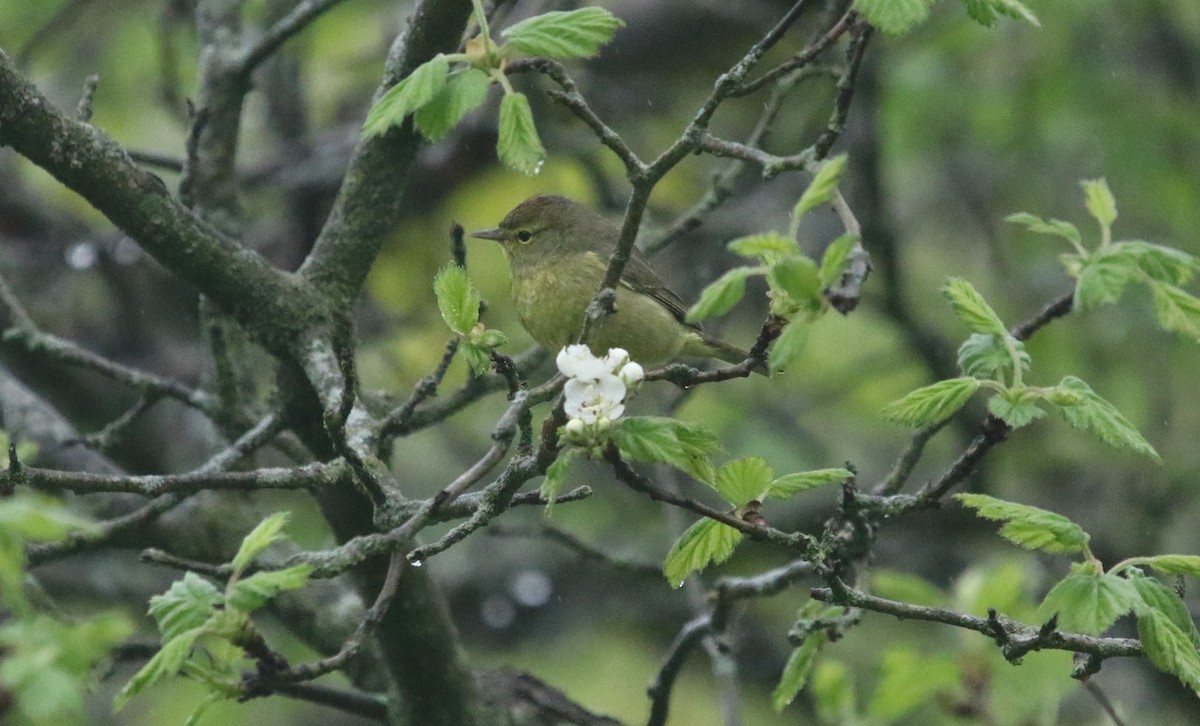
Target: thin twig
[[690, 635]]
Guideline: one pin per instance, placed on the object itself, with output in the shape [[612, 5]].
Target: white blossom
[[576, 361], [591, 400], [631, 374], [594, 396]]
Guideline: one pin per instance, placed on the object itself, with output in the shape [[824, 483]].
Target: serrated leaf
[[488, 339], [268, 532], [1100, 282], [186, 605], [464, 92], [792, 484], [931, 404], [720, 295], [1169, 648], [986, 356], [1089, 603], [1099, 201], [413, 92], [556, 476], [572, 34], [767, 246], [834, 258], [1029, 527], [1158, 597], [907, 680], [788, 347], [165, 663], [798, 277], [1176, 310], [972, 309], [458, 300], [251, 593], [893, 16], [1016, 407], [822, 188], [1056, 227], [682, 445], [1175, 564], [705, 541], [743, 480], [797, 669], [518, 145], [477, 358], [1090, 412], [1164, 264]]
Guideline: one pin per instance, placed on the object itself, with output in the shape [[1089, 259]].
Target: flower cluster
[[595, 394]]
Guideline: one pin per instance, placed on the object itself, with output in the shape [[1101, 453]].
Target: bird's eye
[[524, 235]]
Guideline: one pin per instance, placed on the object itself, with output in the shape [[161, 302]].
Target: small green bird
[[558, 251]]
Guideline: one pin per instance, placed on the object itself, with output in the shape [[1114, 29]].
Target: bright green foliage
[[268, 532], [908, 680], [931, 404], [556, 476], [894, 16], [458, 300], [706, 541], [682, 445], [1174, 564], [743, 480], [1100, 202], [798, 277], [823, 186], [186, 605], [573, 34], [835, 258], [413, 92], [518, 144], [1087, 411], [465, 90], [1158, 597], [721, 295], [797, 669], [1029, 527], [1016, 407], [251, 593], [788, 346], [986, 12], [1056, 227], [768, 247], [1169, 648], [833, 692], [972, 309], [791, 484], [1177, 311], [1089, 602], [986, 356]]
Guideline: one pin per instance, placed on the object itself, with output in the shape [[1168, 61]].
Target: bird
[[558, 251]]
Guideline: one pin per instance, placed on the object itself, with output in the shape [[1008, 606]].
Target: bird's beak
[[493, 234]]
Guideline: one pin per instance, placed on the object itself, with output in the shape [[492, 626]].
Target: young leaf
[[1029, 527], [788, 346], [268, 532], [835, 258], [464, 92], [458, 300], [972, 309], [1055, 227], [478, 358], [823, 186], [1158, 597], [931, 404], [684, 446], [1084, 410], [791, 484], [410, 94], [1176, 310], [986, 356], [798, 277], [985, 12], [518, 145], [893, 16], [1089, 603], [1175, 564], [705, 541], [1101, 281], [907, 680], [1016, 407], [743, 480], [796, 671], [556, 476], [186, 605], [165, 663], [1100, 202], [251, 593], [766, 247], [572, 34], [1169, 648], [721, 295], [488, 339], [1164, 264]]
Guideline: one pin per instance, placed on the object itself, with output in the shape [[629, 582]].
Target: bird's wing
[[639, 276]]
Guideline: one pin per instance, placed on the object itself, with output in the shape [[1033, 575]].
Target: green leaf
[[721, 295], [165, 663], [931, 404], [518, 146], [822, 188], [573, 34], [833, 692], [410, 94], [1087, 411], [767, 247], [1175, 564], [479, 359], [1169, 648], [795, 672], [985, 12], [788, 347], [1101, 282], [792, 484], [556, 476], [464, 91], [1055, 227], [986, 356], [798, 277], [1100, 202], [458, 300], [251, 593], [1029, 527], [1016, 407], [972, 309], [682, 445], [29, 516], [835, 258], [186, 605], [1177, 311], [1089, 603], [1158, 597], [705, 541], [893, 16], [488, 339], [268, 532], [908, 680], [1164, 264], [743, 480]]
